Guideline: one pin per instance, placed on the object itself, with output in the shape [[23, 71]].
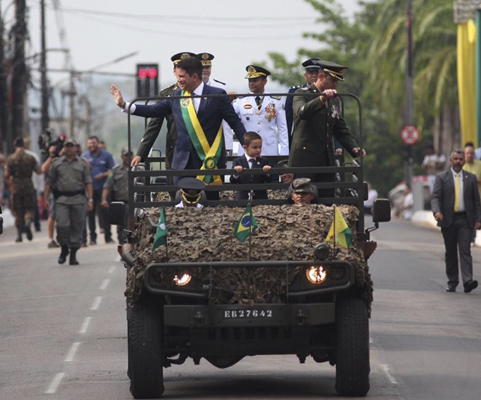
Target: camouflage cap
[[302, 185]]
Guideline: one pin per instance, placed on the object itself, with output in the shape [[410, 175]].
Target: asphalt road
[[63, 331]]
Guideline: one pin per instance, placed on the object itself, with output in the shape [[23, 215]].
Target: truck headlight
[[316, 274], [183, 280]]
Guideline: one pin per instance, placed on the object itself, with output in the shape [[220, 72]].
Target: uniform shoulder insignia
[[295, 87], [305, 88], [222, 83], [275, 97]]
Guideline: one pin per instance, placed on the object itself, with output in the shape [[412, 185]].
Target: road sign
[[410, 134]]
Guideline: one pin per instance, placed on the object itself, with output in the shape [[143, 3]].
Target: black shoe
[[110, 241], [470, 286], [450, 289], [19, 236], [93, 242], [63, 255], [73, 258], [28, 231]]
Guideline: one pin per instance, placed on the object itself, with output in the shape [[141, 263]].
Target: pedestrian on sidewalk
[[457, 208]]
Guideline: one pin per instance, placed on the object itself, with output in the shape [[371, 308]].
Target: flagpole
[[335, 232], [166, 238], [249, 203]]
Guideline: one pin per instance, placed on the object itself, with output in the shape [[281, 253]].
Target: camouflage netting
[[284, 233]]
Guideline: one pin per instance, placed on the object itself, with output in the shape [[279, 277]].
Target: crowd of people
[[72, 191]]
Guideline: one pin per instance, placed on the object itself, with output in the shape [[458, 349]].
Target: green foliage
[[373, 46]]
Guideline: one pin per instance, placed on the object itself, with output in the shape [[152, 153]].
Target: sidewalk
[[426, 219]]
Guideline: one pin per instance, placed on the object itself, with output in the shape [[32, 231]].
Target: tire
[[145, 349], [352, 348]]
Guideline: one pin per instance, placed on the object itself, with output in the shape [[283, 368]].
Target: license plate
[[248, 313]]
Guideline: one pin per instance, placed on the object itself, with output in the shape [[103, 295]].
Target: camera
[[48, 139]]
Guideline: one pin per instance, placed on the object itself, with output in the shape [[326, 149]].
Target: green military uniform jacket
[[117, 183], [153, 129], [316, 123]]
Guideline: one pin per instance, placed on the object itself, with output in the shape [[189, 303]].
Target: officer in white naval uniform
[[206, 59], [263, 114]]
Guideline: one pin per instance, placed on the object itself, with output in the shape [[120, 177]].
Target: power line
[[189, 35], [187, 19]]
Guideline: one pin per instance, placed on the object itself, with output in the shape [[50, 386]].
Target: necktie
[[253, 162], [457, 193], [258, 101]]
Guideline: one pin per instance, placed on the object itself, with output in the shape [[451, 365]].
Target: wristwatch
[[91, 200]]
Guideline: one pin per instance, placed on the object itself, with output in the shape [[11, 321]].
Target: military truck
[[320, 311]]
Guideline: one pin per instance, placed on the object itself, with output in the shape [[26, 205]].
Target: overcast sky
[[236, 32]]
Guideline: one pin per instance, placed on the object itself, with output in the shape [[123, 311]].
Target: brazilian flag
[[243, 227], [161, 233]]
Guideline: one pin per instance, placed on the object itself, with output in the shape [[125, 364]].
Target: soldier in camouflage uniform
[[20, 167], [69, 177], [117, 187]]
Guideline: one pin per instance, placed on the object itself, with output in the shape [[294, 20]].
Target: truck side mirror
[[117, 213], [381, 211]]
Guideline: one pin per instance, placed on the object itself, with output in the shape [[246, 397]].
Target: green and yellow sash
[[208, 154]]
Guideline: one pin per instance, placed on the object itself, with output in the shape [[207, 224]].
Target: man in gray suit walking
[[457, 208]]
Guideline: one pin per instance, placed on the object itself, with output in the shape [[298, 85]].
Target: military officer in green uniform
[[153, 128], [20, 167], [69, 179], [317, 121], [117, 187]]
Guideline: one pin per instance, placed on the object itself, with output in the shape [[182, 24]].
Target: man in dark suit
[[457, 208], [198, 120]]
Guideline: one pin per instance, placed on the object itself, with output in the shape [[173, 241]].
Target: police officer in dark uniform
[[117, 187], [317, 121], [69, 178], [311, 73]]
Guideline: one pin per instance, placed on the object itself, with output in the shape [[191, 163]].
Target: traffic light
[[147, 80]]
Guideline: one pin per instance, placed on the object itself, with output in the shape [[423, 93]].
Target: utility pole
[[43, 69], [72, 93], [19, 73], [4, 125], [408, 112]]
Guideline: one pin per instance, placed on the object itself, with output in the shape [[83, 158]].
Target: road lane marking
[[85, 325], [385, 369], [71, 352], [112, 269], [104, 284], [55, 383], [96, 303]]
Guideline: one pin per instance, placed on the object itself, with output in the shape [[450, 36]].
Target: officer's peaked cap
[[176, 58], [254, 71], [206, 59], [333, 69], [191, 184]]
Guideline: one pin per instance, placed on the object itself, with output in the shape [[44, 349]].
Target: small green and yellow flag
[[161, 233], [339, 231], [243, 227]]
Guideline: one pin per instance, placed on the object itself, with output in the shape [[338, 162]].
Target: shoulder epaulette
[[275, 97], [222, 83], [170, 88], [295, 87]]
